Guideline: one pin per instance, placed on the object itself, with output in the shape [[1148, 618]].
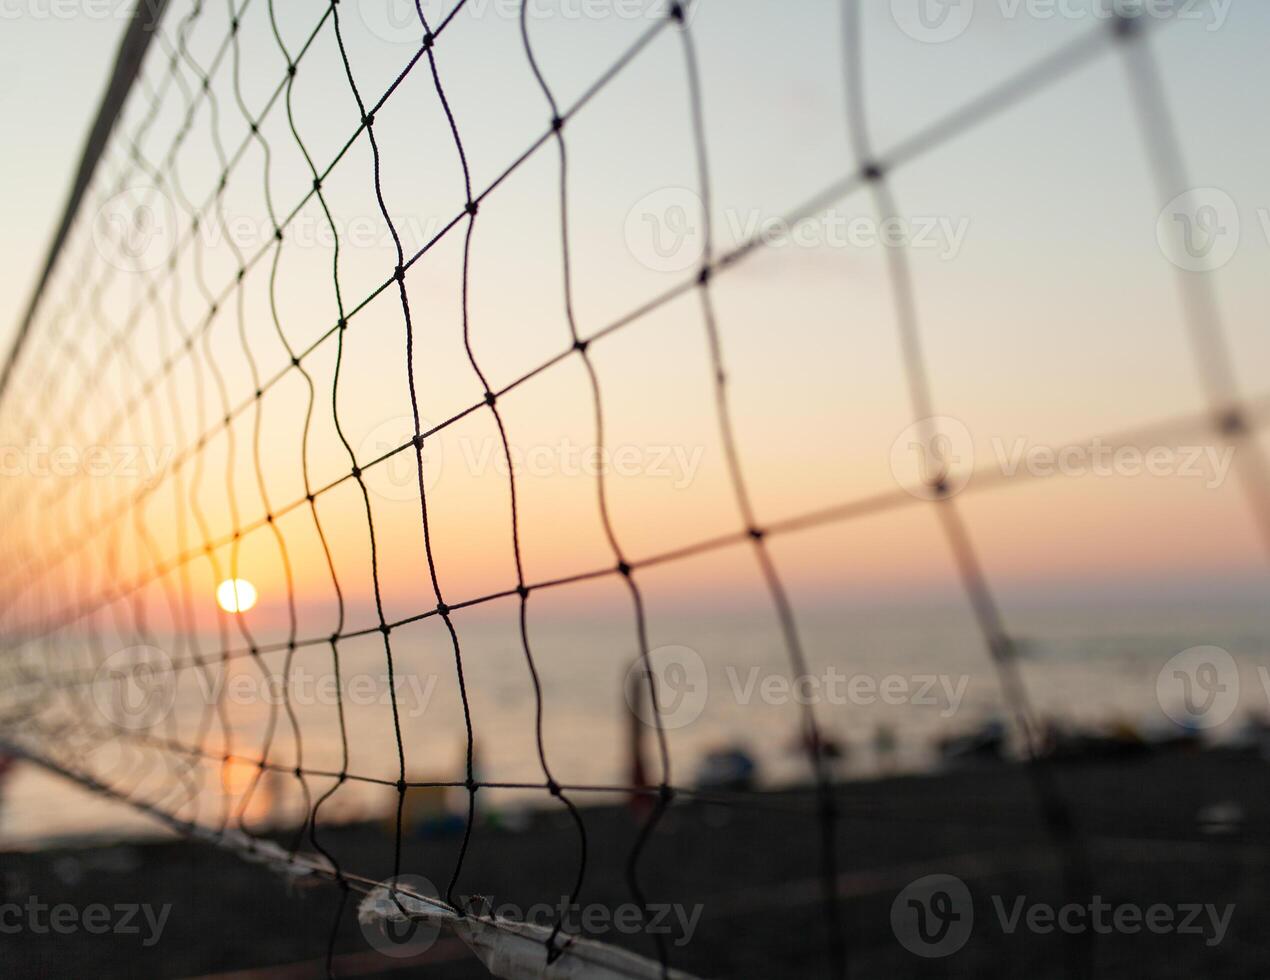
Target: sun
[[235, 595]]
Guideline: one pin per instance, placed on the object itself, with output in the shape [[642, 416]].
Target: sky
[[1039, 249]]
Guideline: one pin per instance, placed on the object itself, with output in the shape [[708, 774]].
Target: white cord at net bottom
[[508, 949]]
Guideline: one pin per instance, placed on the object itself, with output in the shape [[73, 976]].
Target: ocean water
[[885, 685]]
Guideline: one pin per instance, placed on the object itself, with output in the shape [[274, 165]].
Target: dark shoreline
[[749, 873]]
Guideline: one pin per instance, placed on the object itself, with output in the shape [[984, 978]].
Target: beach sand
[[1174, 830]]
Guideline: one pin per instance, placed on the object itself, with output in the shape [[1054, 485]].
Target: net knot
[[1232, 423], [1125, 24]]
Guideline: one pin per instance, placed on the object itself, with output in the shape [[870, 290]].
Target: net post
[[142, 27]]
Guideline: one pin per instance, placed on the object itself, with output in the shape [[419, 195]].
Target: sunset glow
[[236, 595]]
